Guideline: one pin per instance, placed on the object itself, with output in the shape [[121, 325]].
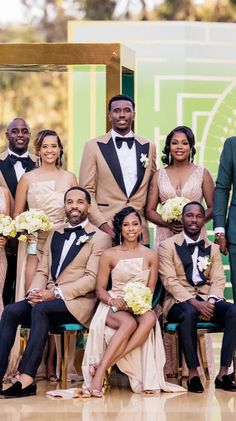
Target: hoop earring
[[169, 158]]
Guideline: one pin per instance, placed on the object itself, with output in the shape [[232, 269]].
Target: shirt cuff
[[217, 299], [31, 290], [219, 230], [58, 293]]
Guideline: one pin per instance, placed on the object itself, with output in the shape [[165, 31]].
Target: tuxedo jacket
[[175, 263], [226, 180], [78, 272], [101, 175], [8, 177]]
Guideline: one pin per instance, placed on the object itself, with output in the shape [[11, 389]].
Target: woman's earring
[[191, 156], [39, 161], [120, 239], [140, 237], [59, 161], [169, 158]]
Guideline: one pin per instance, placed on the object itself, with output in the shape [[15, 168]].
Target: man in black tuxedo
[[116, 168], [191, 270], [62, 290], [14, 161]]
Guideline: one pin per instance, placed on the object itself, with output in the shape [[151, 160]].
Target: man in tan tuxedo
[[62, 290], [14, 161], [192, 273], [116, 168]]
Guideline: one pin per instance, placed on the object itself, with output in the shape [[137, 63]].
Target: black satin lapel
[[109, 152], [203, 252], [186, 258], [30, 165], [140, 149], [9, 175], [57, 244], [72, 253]]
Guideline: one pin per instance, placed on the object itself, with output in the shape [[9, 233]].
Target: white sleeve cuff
[[219, 230], [58, 293]]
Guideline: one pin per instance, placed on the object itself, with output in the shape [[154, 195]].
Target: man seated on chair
[[62, 290], [193, 276]]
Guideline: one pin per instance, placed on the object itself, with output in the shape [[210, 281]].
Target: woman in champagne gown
[[4, 209], [43, 188], [180, 177], [134, 343]]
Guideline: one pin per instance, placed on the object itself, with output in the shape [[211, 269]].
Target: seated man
[[62, 290], [193, 276]]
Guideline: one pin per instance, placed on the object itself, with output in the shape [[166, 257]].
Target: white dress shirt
[[19, 170], [67, 245], [128, 161], [196, 278]]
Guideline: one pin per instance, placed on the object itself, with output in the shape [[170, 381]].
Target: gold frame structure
[[116, 57]]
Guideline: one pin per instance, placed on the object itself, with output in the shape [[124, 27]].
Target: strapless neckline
[[121, 261]]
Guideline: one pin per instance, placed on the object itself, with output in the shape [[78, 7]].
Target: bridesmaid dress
[[3, 259]]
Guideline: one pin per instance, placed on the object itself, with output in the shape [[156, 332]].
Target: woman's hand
[[120, 304], [31, 238], [175, 226], [3, 241]]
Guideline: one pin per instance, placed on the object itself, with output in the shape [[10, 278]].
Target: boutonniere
[[203, 263], [83, 239], [144, 160]]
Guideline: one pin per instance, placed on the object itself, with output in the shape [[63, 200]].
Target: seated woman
[[120, 337]]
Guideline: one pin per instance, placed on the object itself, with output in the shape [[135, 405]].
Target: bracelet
[[109, 301]]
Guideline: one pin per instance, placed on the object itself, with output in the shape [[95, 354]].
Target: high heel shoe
[[96, 393]]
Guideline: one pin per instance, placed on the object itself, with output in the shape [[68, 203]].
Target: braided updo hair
[[191, 140], [119, 219]]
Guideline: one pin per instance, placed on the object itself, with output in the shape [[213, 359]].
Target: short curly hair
[[118, 221], [191, 140]]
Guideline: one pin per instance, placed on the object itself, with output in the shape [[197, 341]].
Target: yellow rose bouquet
[[171, 210], [7, 226], [31, 222], [138, 297]]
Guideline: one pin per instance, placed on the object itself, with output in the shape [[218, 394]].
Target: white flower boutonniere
[[83, 239], [203, 263], [144, 160]]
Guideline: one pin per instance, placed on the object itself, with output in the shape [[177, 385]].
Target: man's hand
[[204, 308], [221, 240], [40, 295], [107, 229]]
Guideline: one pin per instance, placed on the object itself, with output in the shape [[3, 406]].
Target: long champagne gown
[[3, 259], [192, 190], [144, 365], [49, 197]]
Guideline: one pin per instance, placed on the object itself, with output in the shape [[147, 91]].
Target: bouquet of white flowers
[[171, 210], [138, 297], [30, 222], [7, 226]]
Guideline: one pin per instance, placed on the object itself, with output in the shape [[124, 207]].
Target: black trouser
[[186, 314], [40, 317]]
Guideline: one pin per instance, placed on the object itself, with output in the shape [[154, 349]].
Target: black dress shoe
[[226, 383], [16, 391], [194, 385]]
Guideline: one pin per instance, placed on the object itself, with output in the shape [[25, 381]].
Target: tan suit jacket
[[11, 182], [77, 279], [173, 276], [101, 175]]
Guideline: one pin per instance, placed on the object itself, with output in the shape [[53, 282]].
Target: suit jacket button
[[127, 201], [56, 284]]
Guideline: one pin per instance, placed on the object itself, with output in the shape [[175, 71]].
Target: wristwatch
[[212, 300], [57, 294]]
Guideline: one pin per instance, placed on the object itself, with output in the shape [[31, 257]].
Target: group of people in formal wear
[[100, 242]]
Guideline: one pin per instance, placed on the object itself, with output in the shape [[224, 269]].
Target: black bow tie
[[78, 231], [128, 140], [200, 244], [25, 161]]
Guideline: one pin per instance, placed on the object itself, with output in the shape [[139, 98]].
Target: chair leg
[[203, 357], [65, 342], [178, 358]]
